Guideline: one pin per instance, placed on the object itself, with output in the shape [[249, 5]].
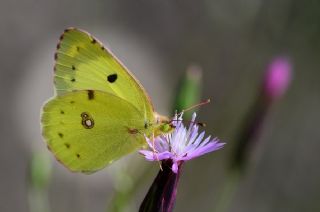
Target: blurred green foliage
[[40, 170], [188, 92]]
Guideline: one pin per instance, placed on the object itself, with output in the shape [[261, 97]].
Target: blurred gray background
[[233, 41]]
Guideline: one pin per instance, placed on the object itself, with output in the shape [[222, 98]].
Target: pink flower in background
[[278, 77]]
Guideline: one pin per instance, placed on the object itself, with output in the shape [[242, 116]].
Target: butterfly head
[[163, 123]]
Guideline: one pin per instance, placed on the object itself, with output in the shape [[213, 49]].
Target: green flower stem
[[39, 178], [124, 196]]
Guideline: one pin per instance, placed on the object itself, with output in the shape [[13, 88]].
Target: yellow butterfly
[[100, 111]]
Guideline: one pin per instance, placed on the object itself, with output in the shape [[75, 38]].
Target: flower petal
[[149, 155], [164, 155], [180, 145], [210, 147]]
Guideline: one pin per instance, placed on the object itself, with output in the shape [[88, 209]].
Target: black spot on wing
[[93, 41], [61, 112], [60, 135], [90, 94], [67, 145], [87, 121], [73, 80], [49, 148], [112, 78], [73, 67], [84, 115], [133, 131], [78, 155]]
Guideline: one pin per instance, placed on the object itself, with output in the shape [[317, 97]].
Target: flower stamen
[[181, 144]]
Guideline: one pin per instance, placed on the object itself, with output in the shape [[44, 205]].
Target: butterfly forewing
[[82, 63]]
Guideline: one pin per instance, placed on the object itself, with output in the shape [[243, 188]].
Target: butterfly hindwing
[[86, 130]]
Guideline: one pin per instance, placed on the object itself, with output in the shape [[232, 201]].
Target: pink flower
[[181, 145], [278, 77]]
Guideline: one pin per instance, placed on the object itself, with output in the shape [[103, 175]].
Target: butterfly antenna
[[201, 124], [207, 101]]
